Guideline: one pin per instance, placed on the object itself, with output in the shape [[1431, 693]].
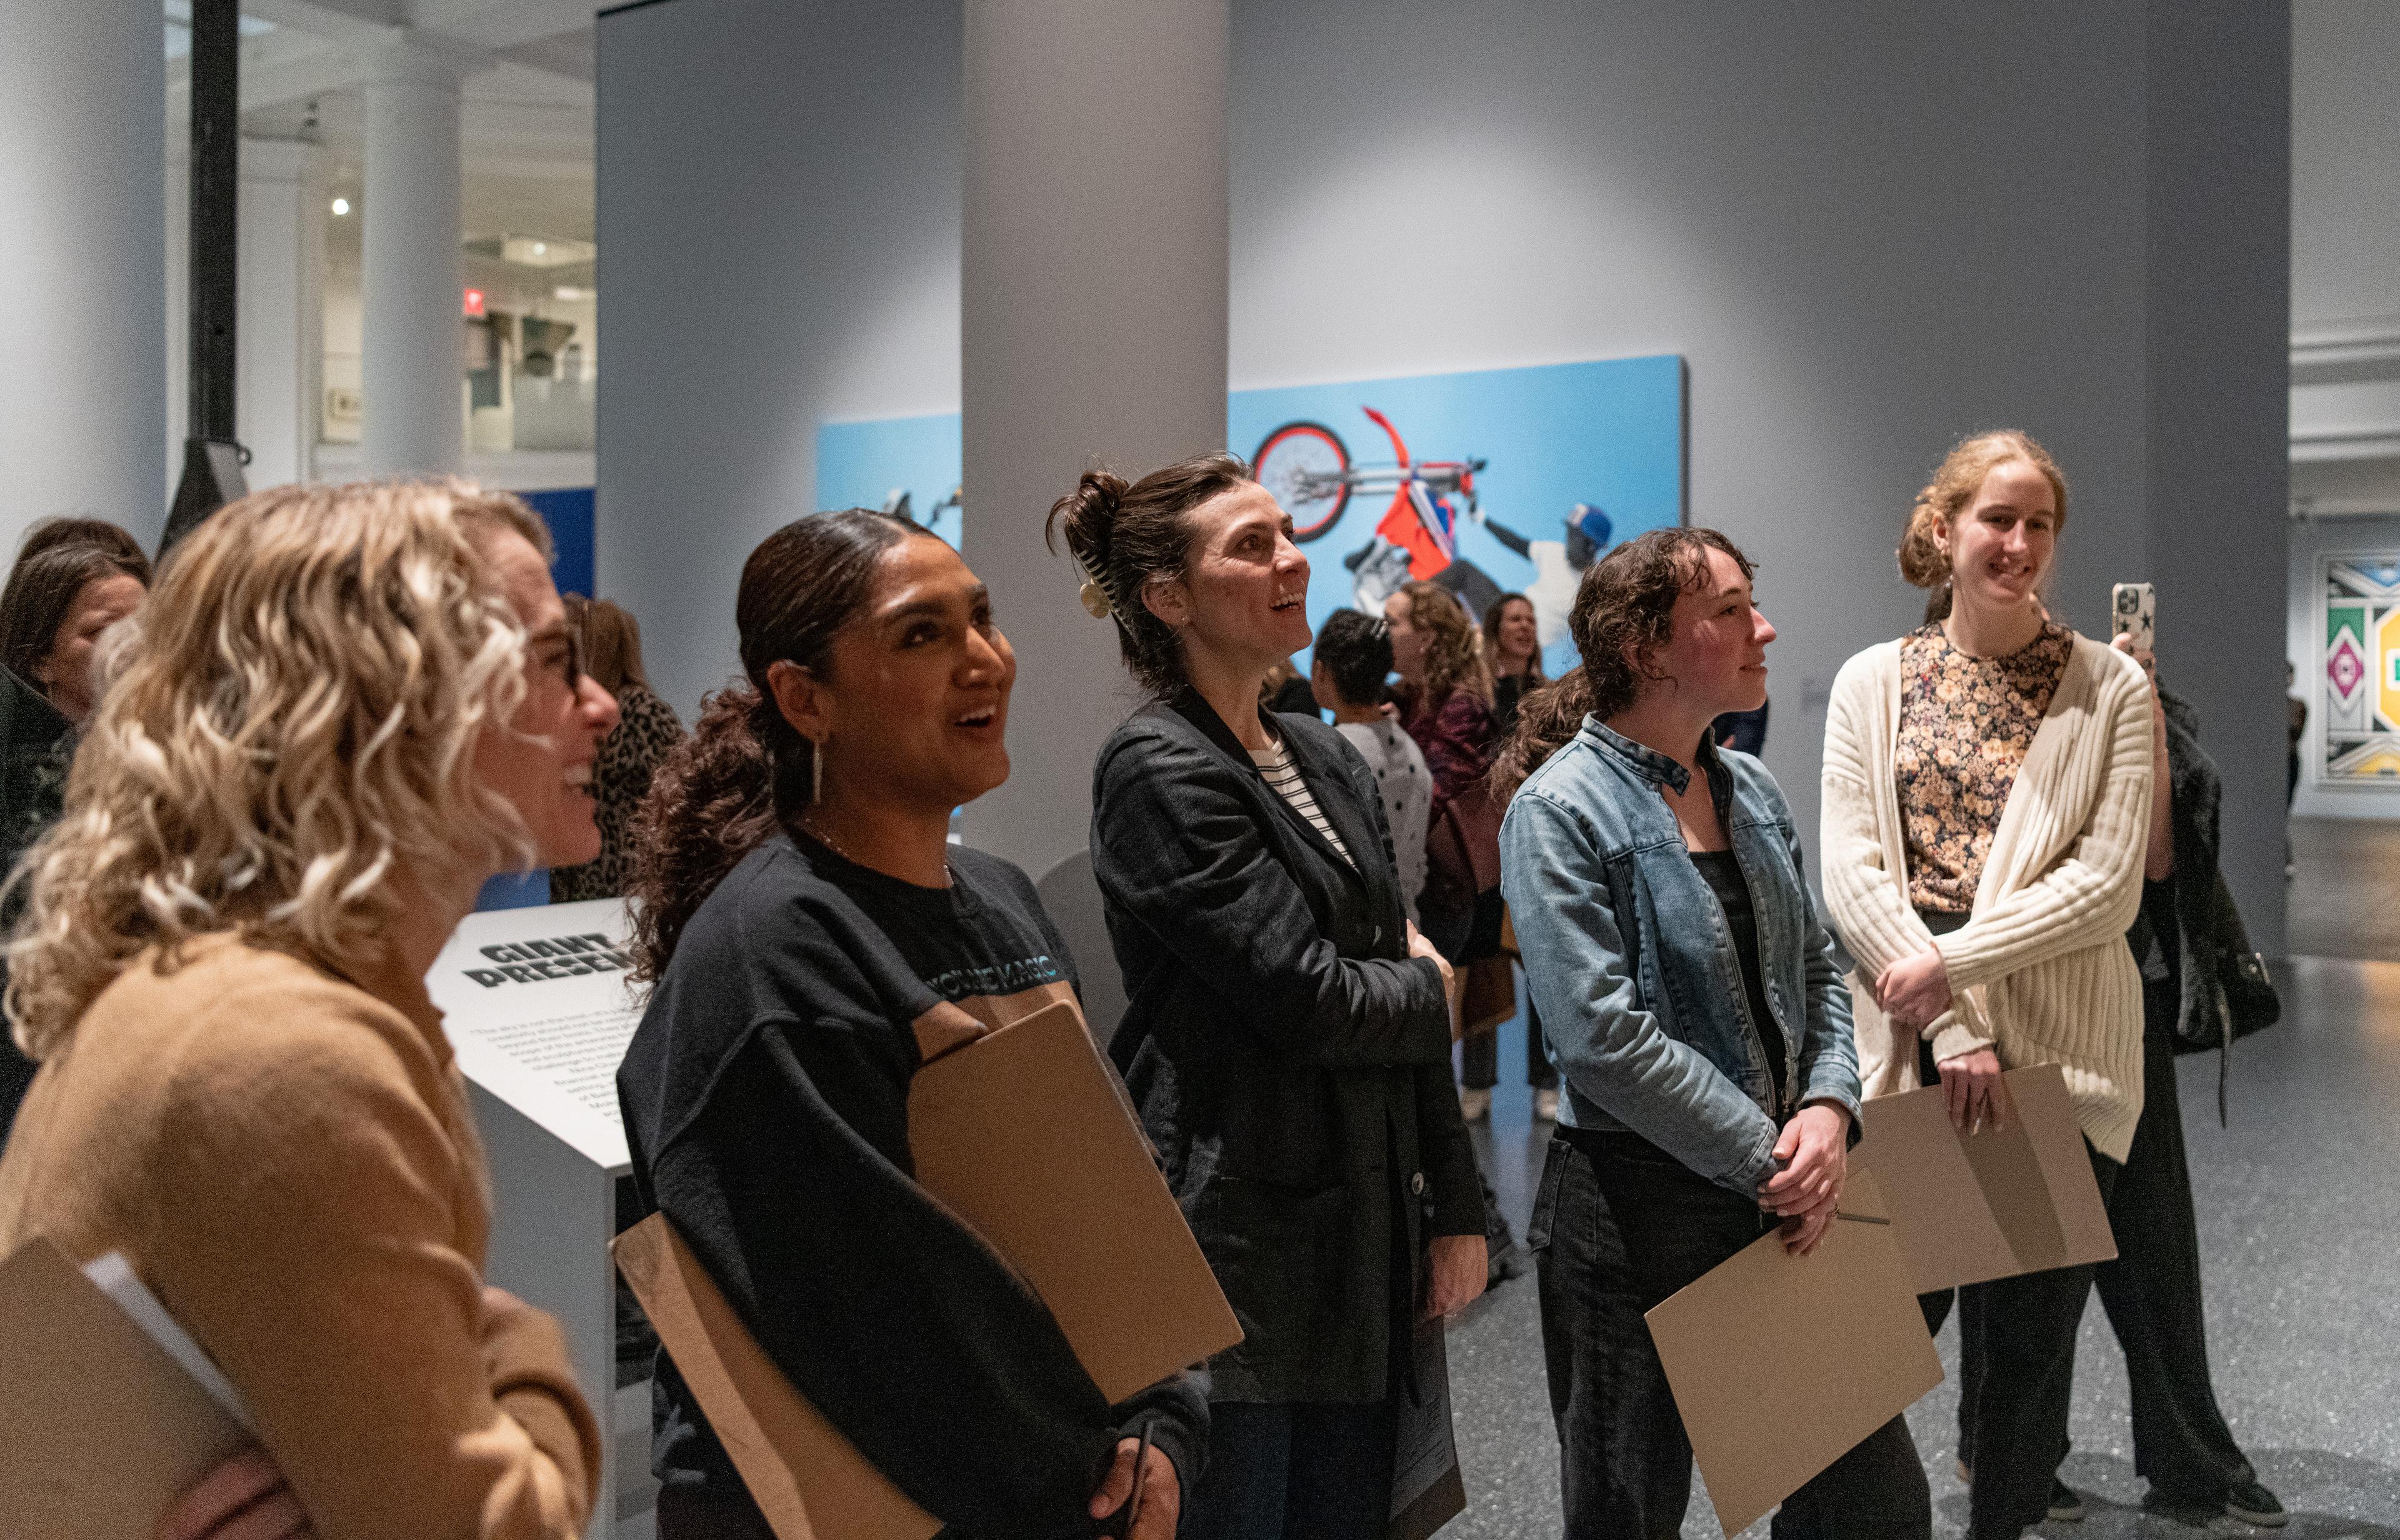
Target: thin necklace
[[815, 831]]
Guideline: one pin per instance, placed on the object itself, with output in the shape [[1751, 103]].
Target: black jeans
[[1478, 1057], [2017, 1381], [1619, 1226], [1301, 1471], [2151, 1291]]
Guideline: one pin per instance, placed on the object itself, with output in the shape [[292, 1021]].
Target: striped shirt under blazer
[[2040, 971]]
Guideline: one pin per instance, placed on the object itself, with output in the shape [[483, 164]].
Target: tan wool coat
[[287, 1158]]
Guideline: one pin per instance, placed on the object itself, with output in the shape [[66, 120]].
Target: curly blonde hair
[[1954, 485], [289, 725], [1453, 655]]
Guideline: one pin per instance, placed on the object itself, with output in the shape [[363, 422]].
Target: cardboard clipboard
[[1971, 1207], [1841, 1321], [103, 1426], [1025, 1136]]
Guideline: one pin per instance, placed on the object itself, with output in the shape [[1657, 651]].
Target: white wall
[[82, 128], [2345, 163], [2346, 254], [779, 222]]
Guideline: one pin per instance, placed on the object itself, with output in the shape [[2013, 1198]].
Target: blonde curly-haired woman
[[1988, 813], [342, 710]]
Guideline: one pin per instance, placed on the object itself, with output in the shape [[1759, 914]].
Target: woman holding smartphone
[[1987, 807], [1701, 1031], [1287, 1033], [809, 929]]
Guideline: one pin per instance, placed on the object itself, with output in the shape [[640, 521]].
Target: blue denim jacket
[[1628, 954]]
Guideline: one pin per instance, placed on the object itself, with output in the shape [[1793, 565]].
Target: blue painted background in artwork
[[1605, 435], [862, 464]]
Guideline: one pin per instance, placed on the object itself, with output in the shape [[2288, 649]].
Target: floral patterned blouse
[[1965, 725]]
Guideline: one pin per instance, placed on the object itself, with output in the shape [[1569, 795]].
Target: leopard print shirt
[[1965, 725], [647, 728]]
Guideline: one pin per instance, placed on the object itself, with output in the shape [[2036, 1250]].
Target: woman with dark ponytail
[[801, 915], [1287, 1033]]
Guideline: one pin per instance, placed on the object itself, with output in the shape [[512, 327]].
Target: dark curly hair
[[745, 771], [1624, 607], [1128, 535]]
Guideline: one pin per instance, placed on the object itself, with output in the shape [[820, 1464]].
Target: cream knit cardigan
[[2040, 971]]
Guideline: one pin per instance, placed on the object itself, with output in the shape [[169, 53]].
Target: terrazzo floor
[[2298, 1203]]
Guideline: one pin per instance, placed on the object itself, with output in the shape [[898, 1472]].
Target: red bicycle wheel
[[1306, 466]]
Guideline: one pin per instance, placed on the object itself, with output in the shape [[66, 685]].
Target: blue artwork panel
[[1492, 482], [902, 464], [1489, 481]]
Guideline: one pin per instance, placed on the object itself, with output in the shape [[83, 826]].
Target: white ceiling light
[[570, 293], [341, 207], [545, 251]]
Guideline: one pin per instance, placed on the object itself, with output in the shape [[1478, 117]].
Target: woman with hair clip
[[1287, 1033], [1702, 1032], [1988, 805], [342, 710], [800, 913]]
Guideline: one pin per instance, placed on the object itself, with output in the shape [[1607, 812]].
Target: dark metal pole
[[213, 460]]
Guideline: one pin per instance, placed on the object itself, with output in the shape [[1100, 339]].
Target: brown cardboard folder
[[1780, 1364], [1969, 1208], [104, 1429], [1024, 1134]]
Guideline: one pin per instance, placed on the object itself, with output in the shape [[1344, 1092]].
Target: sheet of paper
[[1969, 1208], [115, 1277], [807, 1478], [1428, 1491], [102, 1427], [1780, 1364], [538, 1009], [1023, 1134]]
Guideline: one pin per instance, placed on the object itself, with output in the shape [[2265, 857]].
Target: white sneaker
[[1475, 1106], [1545, 1104]]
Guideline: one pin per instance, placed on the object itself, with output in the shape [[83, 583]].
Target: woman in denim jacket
[[1693, 1006]]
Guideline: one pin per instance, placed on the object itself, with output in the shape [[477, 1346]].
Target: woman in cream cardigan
[[1987, 807]]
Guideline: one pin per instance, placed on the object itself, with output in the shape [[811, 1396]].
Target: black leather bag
[[2247, 999]]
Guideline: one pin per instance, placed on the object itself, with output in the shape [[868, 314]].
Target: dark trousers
[[1619, 1226], [2017, 1381], [2151, 1291], [1478, 1057], [1285, 1471]]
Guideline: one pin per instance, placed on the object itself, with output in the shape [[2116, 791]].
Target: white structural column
[[411, 277], [82, 182], [1093, 329], [279, 308]]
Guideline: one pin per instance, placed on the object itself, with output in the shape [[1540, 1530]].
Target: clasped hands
[[1812, 1160], [1915, 990]]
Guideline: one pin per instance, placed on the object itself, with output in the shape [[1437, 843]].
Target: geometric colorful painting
[[2358, 693]]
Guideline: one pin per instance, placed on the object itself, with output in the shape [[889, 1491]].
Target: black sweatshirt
[[766, 1102]]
